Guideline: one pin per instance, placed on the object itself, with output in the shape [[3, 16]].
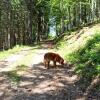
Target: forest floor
[[32, 81]]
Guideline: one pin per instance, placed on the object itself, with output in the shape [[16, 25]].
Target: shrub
[[87, 58]]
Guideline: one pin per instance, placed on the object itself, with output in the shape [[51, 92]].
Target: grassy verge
[[84, 54], [87, 58], [6, 53]]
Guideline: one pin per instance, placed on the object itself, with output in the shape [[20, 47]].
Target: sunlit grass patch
[[14, 77], [87, 58], [84, 53], [74, 44], [60, 44], [21, 69], [6, 53], [51, 37], [24, 63]]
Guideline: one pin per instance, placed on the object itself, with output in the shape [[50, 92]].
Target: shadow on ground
[[39, 83]]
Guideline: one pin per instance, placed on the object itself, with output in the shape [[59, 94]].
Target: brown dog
[[52, 57]]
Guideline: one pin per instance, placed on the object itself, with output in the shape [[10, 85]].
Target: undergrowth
[[85, 56], [86, 59]]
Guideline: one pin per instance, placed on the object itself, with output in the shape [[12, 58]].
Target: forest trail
[[8, 63], [39, 83], [11, 61]]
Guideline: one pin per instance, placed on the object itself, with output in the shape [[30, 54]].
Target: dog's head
[[62, 61]]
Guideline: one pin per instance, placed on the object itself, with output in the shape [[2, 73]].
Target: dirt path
[[8, 63], [11, 61], [38, 57], [38, 83]]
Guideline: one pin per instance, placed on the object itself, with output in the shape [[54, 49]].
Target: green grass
[[87, 58], [6, 53], [21, 68], [14, 77], [83, 53], [51, 37]]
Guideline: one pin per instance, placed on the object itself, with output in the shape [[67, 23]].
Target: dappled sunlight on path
[[37, 82], [8, 63], [34, 82], [38, 56]]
